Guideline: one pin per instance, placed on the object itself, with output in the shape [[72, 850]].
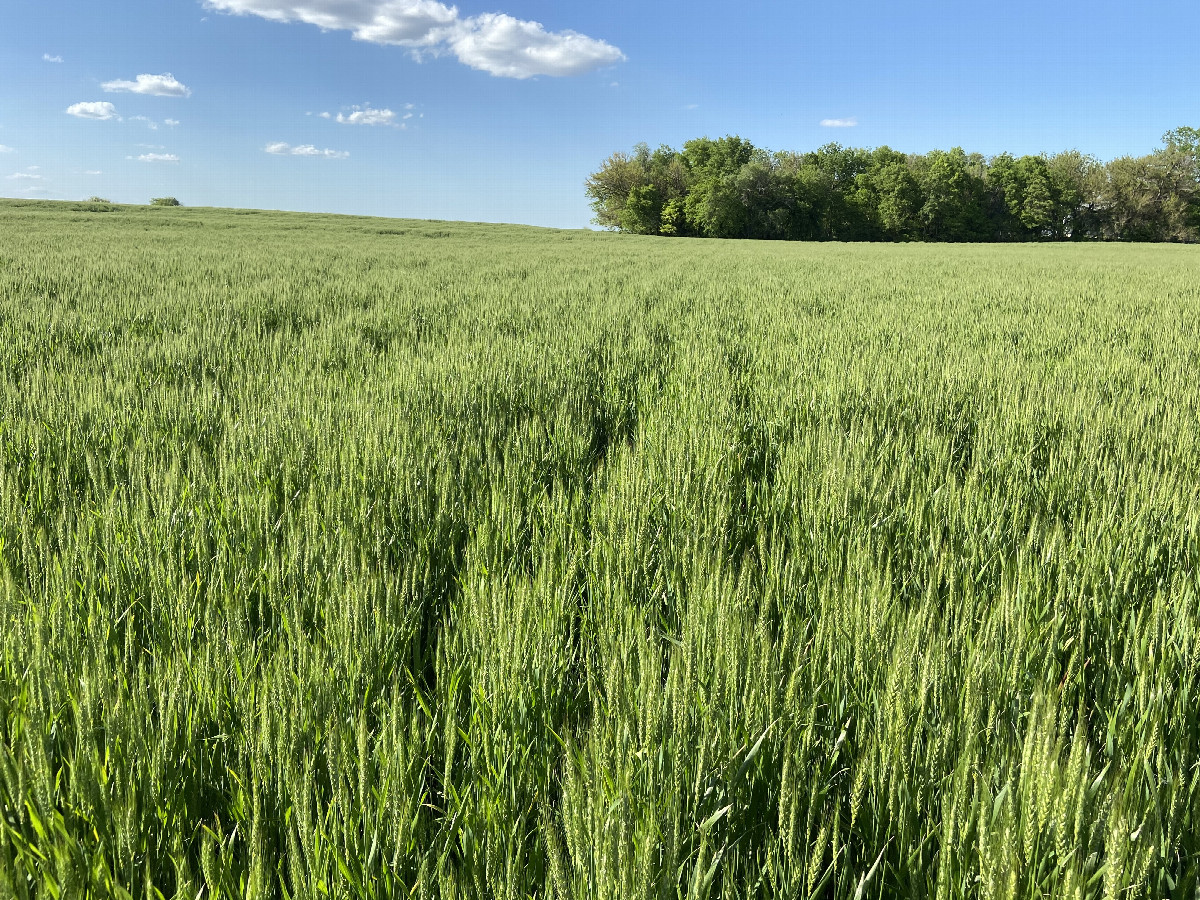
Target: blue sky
[[497, 110]]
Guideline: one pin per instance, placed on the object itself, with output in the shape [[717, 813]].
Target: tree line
[[728, 188]]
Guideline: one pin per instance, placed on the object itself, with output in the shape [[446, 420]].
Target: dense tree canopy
[[729, 188]]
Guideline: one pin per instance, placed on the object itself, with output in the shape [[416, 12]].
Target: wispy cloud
[[4, 149], [156, 157], [150, 123], [282, 149], [839, 123], [493, 42], [171, 122], [365, 115], [48, 58], [25, 176], [165, 85], [93, 109]]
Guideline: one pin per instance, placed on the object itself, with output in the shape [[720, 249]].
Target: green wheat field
[[366, 558]]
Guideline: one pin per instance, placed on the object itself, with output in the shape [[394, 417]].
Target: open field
[[374, 558]]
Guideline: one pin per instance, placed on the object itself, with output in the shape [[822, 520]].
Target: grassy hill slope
[[372, 558]]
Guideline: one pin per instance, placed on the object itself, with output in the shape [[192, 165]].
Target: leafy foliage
[[729, 188]]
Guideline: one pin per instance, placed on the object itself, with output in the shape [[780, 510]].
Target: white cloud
[[164, 85], [493, 42], [310, 150], [25, 176], [501, 45], [171, 122], [839, 123], [4, 149], [93, 109], [405, 22], [150, 123], [93, 172], [364, 115], [157, 157], [48, 58], [282, 149]]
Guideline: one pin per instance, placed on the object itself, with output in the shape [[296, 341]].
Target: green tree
[[1186, 141], [890, 196], [759, 189], [1181, 157], [708, 158], [806, 194], [633, 192], [669, 176], [1025, 194], [610, 187], [1078, 187], [846, 207], [673, 220], [955, 195], [711, 207], [1151, 198], [729, 188], [642, 213]]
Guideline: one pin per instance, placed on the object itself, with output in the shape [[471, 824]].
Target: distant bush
[[96, 205], [165, 201]]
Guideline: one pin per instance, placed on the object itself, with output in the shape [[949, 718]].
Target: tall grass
[[361, 558]]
